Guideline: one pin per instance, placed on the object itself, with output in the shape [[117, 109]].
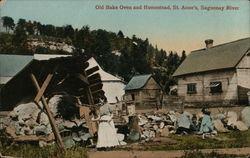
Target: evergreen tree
[[8, 23]]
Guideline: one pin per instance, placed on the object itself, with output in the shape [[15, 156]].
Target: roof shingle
[[137, 82]]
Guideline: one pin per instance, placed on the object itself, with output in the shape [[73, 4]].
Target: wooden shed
[[143, 91], [216, 74]]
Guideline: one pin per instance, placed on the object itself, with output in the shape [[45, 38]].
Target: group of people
[[186, 123], [107, 135]]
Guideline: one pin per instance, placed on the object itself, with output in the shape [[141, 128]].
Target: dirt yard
[[162, 154]]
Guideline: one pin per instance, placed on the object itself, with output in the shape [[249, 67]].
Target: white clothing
[[107, 136]]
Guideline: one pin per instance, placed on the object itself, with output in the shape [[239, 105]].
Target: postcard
[[124, 78]]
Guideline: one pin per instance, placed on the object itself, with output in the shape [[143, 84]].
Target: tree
[[49, 30], [8, 23], [21, 23], [120, 34], [20, 37], [83, 39], [30, 28], [59, 32], [69, 31]]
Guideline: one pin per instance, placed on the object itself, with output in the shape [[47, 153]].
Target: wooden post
[[50, 116]]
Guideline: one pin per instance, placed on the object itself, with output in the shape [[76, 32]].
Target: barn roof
[[222, 56], [10, 65], [137, 82]]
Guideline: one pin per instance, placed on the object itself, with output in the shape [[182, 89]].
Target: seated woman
[[206, 124]]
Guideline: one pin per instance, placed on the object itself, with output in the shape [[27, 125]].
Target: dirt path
[[162, 154]]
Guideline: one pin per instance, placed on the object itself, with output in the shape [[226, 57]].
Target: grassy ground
[[29, 151], [8, 148], [232, 139]]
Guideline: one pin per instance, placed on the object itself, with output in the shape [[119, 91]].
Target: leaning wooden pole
[[50, 116]]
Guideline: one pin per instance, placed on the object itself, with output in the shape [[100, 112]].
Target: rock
[[188, 114], [44, 120], [28, 131], [142, 120], [125, 118], [123, 143], [241, 126], [85, 137], [75, 137], [162, 124], [219, 126], [245, 115], [26, 111], [219, 117], [53, 102], [172, 116], [151, 134], [42, 143], [155, 127], [131, 110], [31, 123], [68, 142], [165, 132], [17, 128], [232, 118], [41, 130], [68, 124], [154, 118]]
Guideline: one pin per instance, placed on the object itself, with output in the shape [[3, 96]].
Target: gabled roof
[[222, 56], [137, 82], [10, 65], [49, 56], [104, 75]]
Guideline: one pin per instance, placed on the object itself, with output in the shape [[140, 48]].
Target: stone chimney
[[209, 43]]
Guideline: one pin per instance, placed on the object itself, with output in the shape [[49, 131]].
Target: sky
[[171, 30]]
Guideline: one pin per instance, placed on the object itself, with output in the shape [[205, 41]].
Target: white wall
[[229, 87], [243, 72]]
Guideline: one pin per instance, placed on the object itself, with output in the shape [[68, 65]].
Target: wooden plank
[[43, 88], [84, 111], [83, 78], [97, 91], [95, 84], [50, 116], [92, 70]]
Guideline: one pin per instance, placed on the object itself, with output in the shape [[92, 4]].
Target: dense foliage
[[122, 56]]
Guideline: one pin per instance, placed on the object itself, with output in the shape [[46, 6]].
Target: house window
[[133, 96], [215, 87], [191, 88]]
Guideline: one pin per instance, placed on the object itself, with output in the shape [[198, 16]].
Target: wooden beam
[[100, 90], [50, 116], [43, 88], [83, 78], [92, 70], [84, 111], [95, 84]]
